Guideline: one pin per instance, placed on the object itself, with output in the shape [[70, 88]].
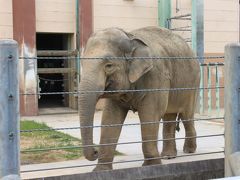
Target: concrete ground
[[130, 151]]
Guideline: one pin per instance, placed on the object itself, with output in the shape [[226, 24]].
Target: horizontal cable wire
[[119, 139], [125, 58], [50, 57], [116, 125], [122, 143], [127, 91], [119, 162]]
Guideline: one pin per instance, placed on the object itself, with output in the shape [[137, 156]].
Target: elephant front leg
[[169, 144], [149, 145], [150, 138], [152, 109], [112, 114]]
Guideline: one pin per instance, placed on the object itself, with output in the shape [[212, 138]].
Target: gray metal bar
[[181, 30], [179, 17], [9, 109], [231, 103], [54, 70], [56, 53]]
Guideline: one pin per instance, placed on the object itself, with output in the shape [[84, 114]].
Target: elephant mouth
[[110, 86], [109, 94]]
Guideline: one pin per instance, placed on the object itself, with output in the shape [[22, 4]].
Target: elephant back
[[163, 42]]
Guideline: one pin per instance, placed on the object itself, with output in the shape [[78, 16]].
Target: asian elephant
[[134, 73]]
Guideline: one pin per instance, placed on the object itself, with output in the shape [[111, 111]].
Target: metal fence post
[[232, 104], [9, 110]]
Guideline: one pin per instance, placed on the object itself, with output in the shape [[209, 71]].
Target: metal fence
[[185, 30], [9, 55], [211, 101]]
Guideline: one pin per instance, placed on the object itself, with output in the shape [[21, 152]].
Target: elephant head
[[108, 74]]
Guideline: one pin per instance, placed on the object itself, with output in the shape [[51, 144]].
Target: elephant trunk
[[87, 103]]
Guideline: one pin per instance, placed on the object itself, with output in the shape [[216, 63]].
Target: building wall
[[221, 21], [56, 16], [6, 20], [126, 14], [221, 18]]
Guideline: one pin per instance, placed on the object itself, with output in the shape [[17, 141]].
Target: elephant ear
[[139, 67]]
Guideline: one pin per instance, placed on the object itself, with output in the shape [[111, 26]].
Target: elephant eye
[[109, 68], [109, 65]]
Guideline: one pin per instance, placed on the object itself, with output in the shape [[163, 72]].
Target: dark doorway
[[51, 82]]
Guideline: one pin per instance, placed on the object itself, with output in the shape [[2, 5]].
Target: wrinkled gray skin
[[138, 74]]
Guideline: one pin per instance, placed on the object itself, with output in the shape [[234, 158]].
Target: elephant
[[138, 70]]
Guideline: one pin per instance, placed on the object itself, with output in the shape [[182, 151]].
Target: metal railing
[[181, 29]]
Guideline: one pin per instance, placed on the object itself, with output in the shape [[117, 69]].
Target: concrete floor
[[130, 151]]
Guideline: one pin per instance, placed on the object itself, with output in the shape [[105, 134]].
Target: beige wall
[[6, 22], [55, 16], [221, 24], [126, 14], [221, 18]]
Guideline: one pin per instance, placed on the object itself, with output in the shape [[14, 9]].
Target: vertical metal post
[[177, 6], [78, 44], [217, 91], [9, 110], [209, 95], [201, 94], [231, 103], [164, 12]]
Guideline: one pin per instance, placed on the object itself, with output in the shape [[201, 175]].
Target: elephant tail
[[177, 124]]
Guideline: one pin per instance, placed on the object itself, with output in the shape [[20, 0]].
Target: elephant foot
[[169, 154], [152, 162], [103, 168], [189, 147]]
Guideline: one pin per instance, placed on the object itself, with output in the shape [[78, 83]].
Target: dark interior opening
[[51, 82]]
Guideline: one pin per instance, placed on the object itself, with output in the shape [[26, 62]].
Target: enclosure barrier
[[132, 124], [9, 111], [232, 110], [209, 88]]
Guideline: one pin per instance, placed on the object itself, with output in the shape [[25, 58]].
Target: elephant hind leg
[[190, 144], [169, 144]]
